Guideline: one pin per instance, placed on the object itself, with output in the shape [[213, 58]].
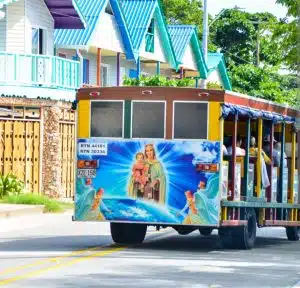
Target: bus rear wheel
[[242, 237], [293, 233], [128, 233]]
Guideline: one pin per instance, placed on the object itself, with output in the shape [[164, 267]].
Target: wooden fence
[[21, 144], [68, 134], [20, 139]]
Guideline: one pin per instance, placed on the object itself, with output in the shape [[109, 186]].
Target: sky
[[252, 6]]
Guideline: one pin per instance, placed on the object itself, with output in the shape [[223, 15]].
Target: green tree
[[265, 83], [186, 12], [237, 34], [289, 32]]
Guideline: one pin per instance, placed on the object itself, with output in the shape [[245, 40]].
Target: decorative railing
[[39, 70], [149, 43]]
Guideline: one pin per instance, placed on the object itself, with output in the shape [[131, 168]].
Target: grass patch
[[51, 206]]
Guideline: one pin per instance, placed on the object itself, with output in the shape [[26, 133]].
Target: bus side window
[[107, 119], [190, 120]]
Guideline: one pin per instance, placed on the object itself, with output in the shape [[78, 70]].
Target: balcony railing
[[39, 71]]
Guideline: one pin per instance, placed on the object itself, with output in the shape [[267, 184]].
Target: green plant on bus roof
[[157, 80]]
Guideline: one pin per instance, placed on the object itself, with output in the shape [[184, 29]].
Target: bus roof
[[229, 98]]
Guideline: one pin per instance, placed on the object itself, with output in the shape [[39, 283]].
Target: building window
[[38, 41], [150, 38], [107, 119], [190, 120], [148, 120]]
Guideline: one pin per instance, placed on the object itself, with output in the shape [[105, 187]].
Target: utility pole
[[257, 46], [205, 29], [205, 37], [257, 25]]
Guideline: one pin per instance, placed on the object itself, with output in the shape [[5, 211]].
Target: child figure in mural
[[155, 185], [97, 205], [139, 172]]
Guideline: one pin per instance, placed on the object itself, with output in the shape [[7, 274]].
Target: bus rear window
[[148, 120], [190, 120], [107, 119]]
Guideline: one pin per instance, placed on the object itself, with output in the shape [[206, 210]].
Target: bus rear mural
[[157, 182]]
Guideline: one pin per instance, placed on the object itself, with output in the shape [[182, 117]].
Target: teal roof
[[182, 36], [216, 61], [138, 15], [90, 10]]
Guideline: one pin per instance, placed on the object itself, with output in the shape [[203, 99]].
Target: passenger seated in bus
[[239, 151], [265, 160], [277, 149], [276, 155]]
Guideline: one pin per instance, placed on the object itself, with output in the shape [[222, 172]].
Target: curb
[[20, 210]]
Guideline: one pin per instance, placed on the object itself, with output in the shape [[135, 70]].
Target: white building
[[27, 65]]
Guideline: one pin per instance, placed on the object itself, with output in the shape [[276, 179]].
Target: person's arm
[[266, 158]]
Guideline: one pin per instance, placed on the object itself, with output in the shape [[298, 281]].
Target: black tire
[[293, 233], [206, 231], [128, 233], [245, 236], [242, 237], [226, 238]]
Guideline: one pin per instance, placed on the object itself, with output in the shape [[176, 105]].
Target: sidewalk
[[15, 210]]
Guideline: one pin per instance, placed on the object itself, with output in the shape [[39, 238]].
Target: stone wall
[[50, 143]]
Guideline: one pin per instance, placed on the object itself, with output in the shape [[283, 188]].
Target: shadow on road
[[189, 243], [58, 243]]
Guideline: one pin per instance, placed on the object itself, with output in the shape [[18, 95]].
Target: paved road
[[54, 252]]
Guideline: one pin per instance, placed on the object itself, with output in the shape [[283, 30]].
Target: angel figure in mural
[[153, 181], [192, 216], [96, 207]]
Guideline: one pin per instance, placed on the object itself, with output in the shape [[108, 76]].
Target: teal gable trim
[[130, 54], [202, 67], [166, 38], [216, 61], [138, 15], [181, 36]]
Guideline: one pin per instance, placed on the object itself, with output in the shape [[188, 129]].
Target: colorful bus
[[186, 158]]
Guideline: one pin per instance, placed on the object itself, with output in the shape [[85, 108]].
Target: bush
[[33, 199], [11, 185]]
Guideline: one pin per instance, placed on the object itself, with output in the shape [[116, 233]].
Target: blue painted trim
[[132, 73], [138, 68], [130, 54]]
